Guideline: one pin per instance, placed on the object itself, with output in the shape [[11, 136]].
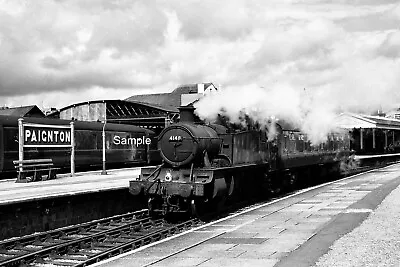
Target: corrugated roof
[[172, 99], [24, 111], [150, 105], [156, 106], [351, 120], [165, 99], [383, 120], [189, 88], [185, 89]]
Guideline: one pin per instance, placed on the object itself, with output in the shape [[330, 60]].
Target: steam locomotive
[[206, 164], [88, 141]]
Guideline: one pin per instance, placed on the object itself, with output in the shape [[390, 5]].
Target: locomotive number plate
[[175, 138]]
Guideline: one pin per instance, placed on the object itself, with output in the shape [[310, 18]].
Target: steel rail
[[105, 243], [68, 244], [140, 241], [17, 247], [37, 237]]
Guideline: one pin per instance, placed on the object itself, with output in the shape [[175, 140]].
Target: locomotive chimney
[[186, 113]]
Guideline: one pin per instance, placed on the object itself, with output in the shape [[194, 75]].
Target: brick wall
[[47, 214]]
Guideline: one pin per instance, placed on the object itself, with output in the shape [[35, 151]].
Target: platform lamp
[[103, 171]]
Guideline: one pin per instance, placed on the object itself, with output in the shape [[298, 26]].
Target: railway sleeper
[[71, 256], [84, 253], [62, 263], [117, 240], [16, 252], [4, 257], [75, 256], [103, 244], [31, 249], [13, 253]]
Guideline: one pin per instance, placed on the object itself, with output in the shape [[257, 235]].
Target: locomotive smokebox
[[187, 142], [186, 113]]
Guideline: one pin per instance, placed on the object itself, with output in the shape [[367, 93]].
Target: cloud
[[53, 46], [79, 47], [391, 46], [303, 39]]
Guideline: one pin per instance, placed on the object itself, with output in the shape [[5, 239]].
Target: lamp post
[[104, 172], [72, 148]]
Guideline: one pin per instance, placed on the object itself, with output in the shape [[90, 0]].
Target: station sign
[[44, 135], [47, 135]]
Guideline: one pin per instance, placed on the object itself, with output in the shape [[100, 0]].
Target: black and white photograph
[[199, 133]]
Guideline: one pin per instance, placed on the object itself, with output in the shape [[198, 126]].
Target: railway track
[[88, 243]]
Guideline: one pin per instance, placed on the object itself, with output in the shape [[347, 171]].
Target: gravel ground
[[376, 242]]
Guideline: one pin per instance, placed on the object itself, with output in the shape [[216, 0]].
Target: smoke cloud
[[364, 86], [275, 104]]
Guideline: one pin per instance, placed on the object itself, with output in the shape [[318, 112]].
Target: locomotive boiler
[[206, 164]]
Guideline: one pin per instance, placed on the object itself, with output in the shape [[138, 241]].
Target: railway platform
[[350, 222], [26, 208], [66, 185]]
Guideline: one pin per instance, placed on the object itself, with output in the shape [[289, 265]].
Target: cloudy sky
[[54, 53]]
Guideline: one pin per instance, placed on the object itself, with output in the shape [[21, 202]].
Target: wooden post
[[72, 148], [373, 139], [103, 134], [393, 137], [20, 142], [386, 141], [361, 139]]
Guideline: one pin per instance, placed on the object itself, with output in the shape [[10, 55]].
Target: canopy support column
[[361, 139], [373, 139]]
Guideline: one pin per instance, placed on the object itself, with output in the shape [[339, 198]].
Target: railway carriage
[[88, 140], [207, 164]]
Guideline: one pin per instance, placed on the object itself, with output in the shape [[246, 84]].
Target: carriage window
[[300, 142], [263, 136], [292, 143], [10, 139]]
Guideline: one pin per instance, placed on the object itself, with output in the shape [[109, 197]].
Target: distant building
[[181, 96], [48, 112], [394, 114], [23, 111], [379, 113], [142, 114]]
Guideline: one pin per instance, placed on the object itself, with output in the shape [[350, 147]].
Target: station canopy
[[352, 120], [119, 111]]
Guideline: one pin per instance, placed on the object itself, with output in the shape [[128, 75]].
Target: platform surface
[[295, 231], [81, 183]]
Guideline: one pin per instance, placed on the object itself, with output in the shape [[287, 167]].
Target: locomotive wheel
[[197, 208], [231, 186], [150, 206], [220, 205]]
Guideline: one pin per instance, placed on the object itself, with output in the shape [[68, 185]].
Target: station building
[[182, 96], [394, 114], [152, 111], [371, 134], [23, 111]]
